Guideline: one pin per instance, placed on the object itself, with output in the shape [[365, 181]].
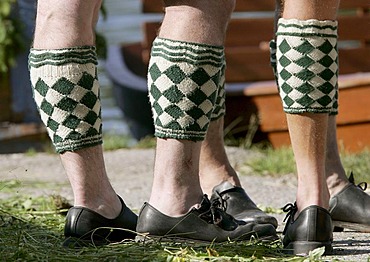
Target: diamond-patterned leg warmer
[[183, 82], [307, 65], [66, 91]]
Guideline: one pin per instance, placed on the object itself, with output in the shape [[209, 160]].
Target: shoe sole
[[340, 225], [153, 238], [304, 247]]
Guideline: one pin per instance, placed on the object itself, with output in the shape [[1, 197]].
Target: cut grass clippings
[[32, 230]]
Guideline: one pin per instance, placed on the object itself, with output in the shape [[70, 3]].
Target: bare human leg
[[183, 166], [63, 74], [187, 59], [308, 85]]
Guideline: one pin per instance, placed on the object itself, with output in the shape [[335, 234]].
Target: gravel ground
[[130, 172]]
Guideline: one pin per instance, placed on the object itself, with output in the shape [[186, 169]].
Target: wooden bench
[[251, 89]]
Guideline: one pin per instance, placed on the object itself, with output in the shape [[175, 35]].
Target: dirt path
[[130, 172]]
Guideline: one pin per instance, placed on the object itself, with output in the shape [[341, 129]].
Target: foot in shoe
[[207, 223], [239, 205], [310, 230], [350, 208], [85, 227]]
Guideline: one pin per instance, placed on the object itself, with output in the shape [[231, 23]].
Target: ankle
[[108, 207], [211, 177], [336, 182], [179, 204]]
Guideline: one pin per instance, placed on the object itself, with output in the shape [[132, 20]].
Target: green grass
[[278, 162], [32, 230]]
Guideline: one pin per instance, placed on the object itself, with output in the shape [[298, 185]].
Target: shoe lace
[[291, 209], [220, 202], [362, 185], [216, 215]]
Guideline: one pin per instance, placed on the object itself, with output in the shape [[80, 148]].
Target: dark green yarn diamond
[[175, 74], [306, 101], [324, 100], [174, 111], [157, 107], [93, 132], [198, 96], [71, 122], [197, 113], [173, 94], [326, 88], [41, 87], [288, 101], [73, 135], [284, 46], [286, 88], [326, 47], [47, 107], [304, 61], [285, 75], [63, 86], [155, 92], [89, 99], [284, 61], [326, 61], [305, 88], [91, 117], [154, 72], [86, 81], [53, 125], [305, 75], [200, 76], [327, 74], [67, 104], [305, 48]]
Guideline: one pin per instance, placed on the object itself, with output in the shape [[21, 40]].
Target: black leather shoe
[[350, 208], [239, 205], [85, 227], [207, 223], [312, 229]]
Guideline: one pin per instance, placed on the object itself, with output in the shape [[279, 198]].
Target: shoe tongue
[[223, 187]]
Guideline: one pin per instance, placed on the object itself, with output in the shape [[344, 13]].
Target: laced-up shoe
[[350, 208], [85, 227], [310, 230], [238, 204], [207, 223]]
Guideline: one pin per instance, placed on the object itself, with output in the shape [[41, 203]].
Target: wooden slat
[[350, 142], [156, 6], [5, 97], [353, 108], [249, 31], [248, 64], [253, 31]]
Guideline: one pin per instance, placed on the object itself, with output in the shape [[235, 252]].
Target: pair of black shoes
[[229, 215]]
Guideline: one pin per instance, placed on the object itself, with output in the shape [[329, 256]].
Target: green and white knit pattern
[[66, 91], [183, 82], [307, 65], [220, 107]]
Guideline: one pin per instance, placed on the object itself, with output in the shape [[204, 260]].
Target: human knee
[[203, 21], [214, 10], [67, 19]]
